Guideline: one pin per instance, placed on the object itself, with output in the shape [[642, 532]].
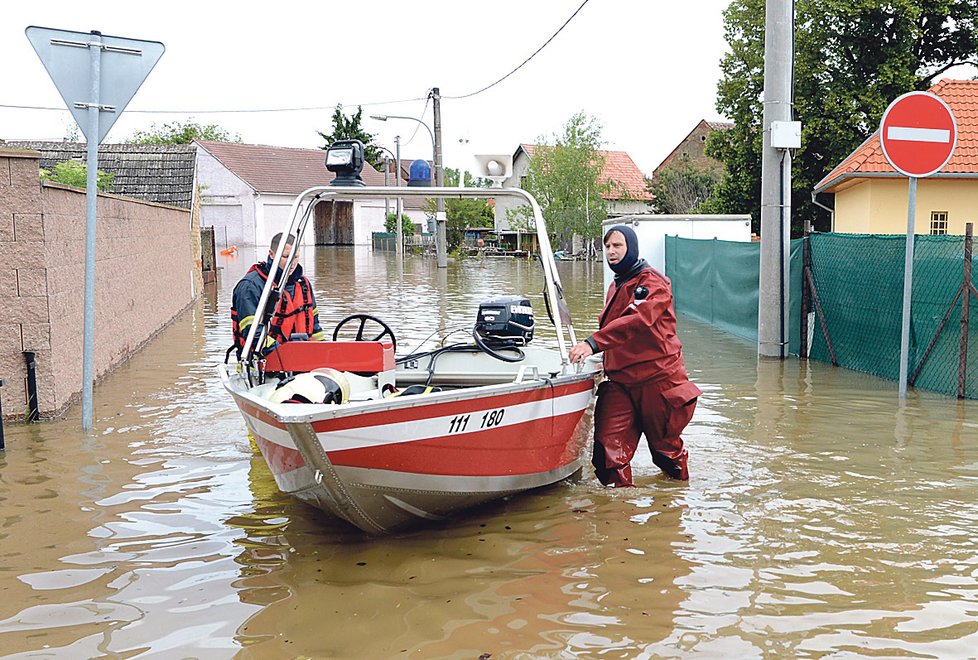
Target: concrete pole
[[441, 230], [387, 172], [399, 236], [775, 184]]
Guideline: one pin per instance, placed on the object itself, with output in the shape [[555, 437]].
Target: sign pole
[[94, 73], [91, 206], [907, 286], [918, 134]]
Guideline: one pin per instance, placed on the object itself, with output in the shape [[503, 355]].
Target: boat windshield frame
[[306, 201]]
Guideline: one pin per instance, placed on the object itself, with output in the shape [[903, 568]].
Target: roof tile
[[158, 173], [618, 167]]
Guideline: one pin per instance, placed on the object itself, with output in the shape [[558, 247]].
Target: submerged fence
[[846, 301]]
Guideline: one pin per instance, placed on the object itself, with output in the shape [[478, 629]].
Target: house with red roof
[[629, 194], [247, 192], [693, 147], [871, 197]]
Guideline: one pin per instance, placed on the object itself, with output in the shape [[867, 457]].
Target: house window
[[938, 223]]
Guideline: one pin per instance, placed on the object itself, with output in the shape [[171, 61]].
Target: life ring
[[230, 252]]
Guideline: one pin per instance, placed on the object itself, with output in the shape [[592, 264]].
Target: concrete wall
[[146, 274], [879, 206]]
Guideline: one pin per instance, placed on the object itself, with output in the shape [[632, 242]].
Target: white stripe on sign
[[918, 134]]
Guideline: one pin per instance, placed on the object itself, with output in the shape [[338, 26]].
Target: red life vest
[[293, 313]]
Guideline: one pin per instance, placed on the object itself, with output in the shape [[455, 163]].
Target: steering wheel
[[363, 319]]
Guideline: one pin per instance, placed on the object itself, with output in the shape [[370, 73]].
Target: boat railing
[[304, 204]]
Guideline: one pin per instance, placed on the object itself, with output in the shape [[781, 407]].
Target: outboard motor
[[506, 320], [504, 323]]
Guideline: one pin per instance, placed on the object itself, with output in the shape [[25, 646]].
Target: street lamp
[[430, 134], [440, 246], [399, 235]]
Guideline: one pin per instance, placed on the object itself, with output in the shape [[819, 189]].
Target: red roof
[[868, 158], [280, 169], [618, 167]]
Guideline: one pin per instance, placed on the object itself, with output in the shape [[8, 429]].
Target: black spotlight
[[344, 158]]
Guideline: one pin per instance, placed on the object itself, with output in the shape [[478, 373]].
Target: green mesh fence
[[859, 282], [717, 282], [858, 297]]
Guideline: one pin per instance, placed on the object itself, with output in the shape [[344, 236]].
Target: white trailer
[[652, 230]]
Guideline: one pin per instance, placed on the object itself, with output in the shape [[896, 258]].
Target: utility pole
[[441, 233], [398, 208], [775, 182]]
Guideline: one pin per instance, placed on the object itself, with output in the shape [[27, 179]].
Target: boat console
[[356, 356]]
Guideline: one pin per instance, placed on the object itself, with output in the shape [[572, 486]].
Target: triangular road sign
[[121, 67]]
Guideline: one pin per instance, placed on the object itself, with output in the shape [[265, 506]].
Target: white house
[[629, 196], [247, 191]]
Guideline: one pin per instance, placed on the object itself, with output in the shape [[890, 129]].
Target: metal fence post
[[965, 311], [806, 264], [2, 445]]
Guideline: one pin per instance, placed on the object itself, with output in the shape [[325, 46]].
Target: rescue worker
[[296, 312], [646, 389]]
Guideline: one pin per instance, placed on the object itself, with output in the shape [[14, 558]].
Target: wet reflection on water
[[821, 519]]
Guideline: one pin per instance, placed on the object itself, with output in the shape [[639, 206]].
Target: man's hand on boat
[[580, 352]]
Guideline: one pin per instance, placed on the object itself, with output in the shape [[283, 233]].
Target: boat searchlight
[[344, 159]]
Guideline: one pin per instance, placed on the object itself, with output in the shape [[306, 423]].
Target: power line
[[535, 53], [321, 108], [217, 112]]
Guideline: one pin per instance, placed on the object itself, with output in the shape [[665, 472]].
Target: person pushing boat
[[647, 387]]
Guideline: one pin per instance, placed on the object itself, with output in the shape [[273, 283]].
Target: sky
[[646, 70]]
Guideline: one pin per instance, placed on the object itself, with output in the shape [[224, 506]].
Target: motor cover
[[505, 319]]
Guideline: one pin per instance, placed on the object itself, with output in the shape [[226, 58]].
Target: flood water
[[822, 518]]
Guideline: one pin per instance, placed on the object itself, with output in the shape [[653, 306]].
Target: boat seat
[[357, 356]]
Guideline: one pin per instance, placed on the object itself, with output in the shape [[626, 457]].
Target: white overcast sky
[[646, 69]]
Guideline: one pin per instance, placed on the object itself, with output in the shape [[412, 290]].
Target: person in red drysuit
[[647, 389]]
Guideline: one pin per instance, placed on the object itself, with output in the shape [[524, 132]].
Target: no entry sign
[[918, 134]]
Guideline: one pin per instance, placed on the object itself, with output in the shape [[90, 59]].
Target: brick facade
[[693, 147], [145, 275]]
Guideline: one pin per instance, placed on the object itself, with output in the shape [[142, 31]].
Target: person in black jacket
[[295, 314]]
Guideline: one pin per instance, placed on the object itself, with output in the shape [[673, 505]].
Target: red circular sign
[[918, 134]]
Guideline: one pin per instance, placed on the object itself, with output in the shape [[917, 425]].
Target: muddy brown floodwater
[[822, 518]]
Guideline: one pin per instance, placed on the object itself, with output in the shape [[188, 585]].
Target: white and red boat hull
[[385, 464]]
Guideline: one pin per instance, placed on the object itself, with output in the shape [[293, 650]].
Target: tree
[[182, 133], [73, 173], [407, 224], [462, 213], [852, 58], [682, 187], [350, 129], [564, 179]]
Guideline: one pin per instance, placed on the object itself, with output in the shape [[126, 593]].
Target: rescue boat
[[385, 441]]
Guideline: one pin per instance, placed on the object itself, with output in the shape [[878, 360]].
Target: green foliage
[[462, 213], [73, 173], [182, 133], [852, 58], [407, 224], [351, 129], [563, 177], [682, 187]]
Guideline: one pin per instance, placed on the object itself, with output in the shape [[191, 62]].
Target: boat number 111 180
[[489, 419]]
